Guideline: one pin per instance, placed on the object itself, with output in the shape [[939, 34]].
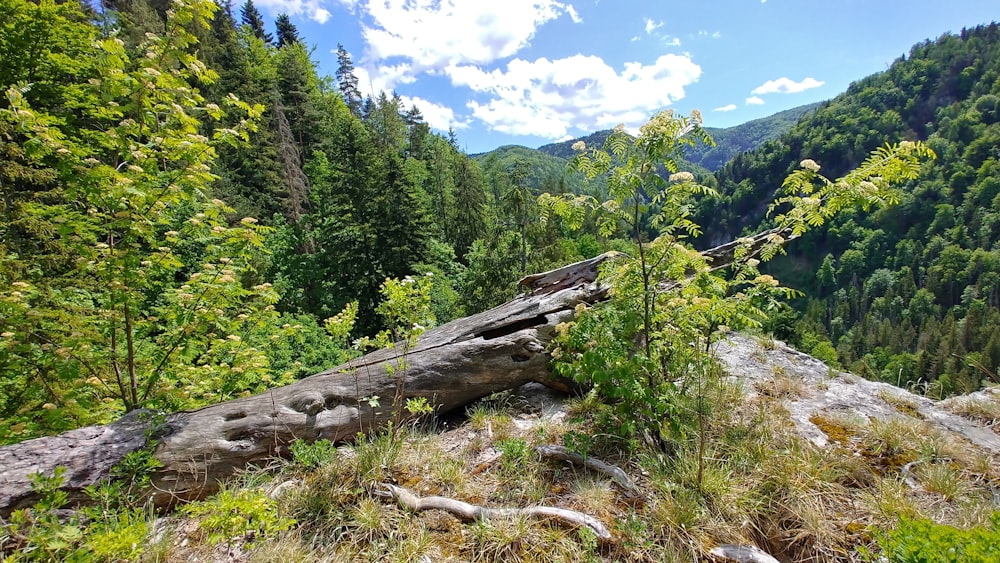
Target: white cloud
[[755, 101], [547, 98], [672, 41], [729, 107], [573, 14], [785, 85], [438, 116], [433, 34], [635, 38], [313, 9], [712, 34], [652, 26], [384, 78]]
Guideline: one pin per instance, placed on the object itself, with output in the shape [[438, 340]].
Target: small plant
[[943, 479], [309, 456], [375, 455], [37, 533], [514, 457], [239, 514], [921, 540]]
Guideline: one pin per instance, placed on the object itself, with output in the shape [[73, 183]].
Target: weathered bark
[[451, 365]]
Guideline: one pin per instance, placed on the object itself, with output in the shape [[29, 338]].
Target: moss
[[902, 404], [834, 430]]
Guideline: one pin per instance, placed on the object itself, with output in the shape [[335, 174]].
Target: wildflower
[[765, 279], [682, 177], [248, 220], [7, 334], [620, 128], [579, 146], [234, 337], [868, 187], [809, 164], [907, 145]]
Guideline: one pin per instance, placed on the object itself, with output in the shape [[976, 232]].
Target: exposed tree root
[[467, 511], [742, 554], [560, 453]]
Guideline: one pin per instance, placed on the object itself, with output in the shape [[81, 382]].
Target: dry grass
[[760, 484]]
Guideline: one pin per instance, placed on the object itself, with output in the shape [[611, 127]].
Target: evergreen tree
[[287, 32], [251, 18], [347, 82]]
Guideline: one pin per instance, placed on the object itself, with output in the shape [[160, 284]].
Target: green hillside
[[909, 294], [729, 141]]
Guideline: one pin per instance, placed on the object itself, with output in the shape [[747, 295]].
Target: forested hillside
[[909, 294], [186, 200], [728, 141]]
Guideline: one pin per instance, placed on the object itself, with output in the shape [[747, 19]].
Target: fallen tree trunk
[[451, 366]]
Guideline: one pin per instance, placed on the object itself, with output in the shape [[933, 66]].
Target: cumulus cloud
[[728, 107], [383, 78], [785, 85], [438, 116], [313, 9], [755, 101], [547, 98], [433, 34], [652, 26]]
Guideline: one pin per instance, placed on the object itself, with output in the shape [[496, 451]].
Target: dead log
[[451, 366]]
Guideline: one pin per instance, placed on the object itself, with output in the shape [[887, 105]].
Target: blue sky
[[531, 72]]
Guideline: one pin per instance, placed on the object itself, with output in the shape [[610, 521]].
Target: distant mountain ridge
[[545, 167], [729, 141]]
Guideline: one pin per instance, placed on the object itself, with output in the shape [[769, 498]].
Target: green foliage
[[234, 514], [407, 311], [647, 351], [311, 455], [136, 297], [37, 533], [925, 541]]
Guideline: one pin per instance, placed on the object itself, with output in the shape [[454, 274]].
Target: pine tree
[[287, 32], [251, 17], [347, 82]]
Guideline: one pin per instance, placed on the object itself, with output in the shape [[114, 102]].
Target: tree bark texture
[[451, 365]]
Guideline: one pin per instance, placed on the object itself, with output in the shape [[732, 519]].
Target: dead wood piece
[[451, 366], [742, 554], [617, 474], [467, 511]]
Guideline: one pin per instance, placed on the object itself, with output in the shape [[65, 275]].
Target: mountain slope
[[729, 141], [909, 294]]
